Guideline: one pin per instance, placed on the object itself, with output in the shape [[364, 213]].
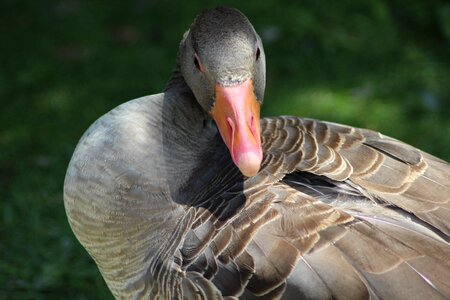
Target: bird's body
[[159, 201]]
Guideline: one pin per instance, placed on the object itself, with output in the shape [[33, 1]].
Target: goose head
[[222, 61]]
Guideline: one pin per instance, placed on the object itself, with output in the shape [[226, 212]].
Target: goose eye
[[258, 53], [197, 63]]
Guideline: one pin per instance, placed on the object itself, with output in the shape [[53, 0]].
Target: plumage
[[154, 196]]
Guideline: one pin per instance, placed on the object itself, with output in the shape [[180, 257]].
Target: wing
[[335, 212]]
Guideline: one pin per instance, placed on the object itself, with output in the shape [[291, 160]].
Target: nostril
[[230, 125], [252, 125]]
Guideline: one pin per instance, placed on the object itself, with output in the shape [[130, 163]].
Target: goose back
[[334, 212]]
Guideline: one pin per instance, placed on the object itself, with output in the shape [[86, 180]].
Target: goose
[[189, 194]]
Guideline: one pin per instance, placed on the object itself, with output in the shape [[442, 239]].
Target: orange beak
[[236, 113]]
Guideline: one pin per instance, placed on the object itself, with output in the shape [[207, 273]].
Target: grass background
[[379, 64]]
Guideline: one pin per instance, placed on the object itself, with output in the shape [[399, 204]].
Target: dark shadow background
[[379, 64]]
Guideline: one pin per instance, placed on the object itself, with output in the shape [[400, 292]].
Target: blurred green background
[[379, 64]]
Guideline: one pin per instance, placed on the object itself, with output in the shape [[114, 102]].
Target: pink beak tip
[[249, 162]]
